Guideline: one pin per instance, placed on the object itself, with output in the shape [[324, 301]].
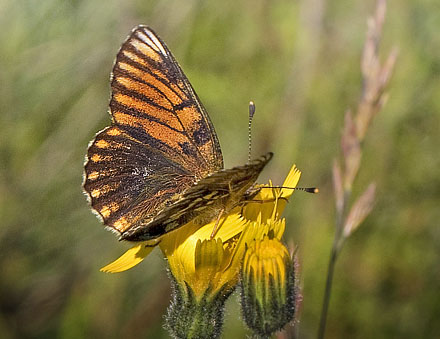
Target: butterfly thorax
[[222, 205]]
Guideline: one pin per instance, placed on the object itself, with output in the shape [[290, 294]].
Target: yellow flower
[[205, 270]]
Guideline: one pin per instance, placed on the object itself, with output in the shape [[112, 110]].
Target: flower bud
[[267, 287]]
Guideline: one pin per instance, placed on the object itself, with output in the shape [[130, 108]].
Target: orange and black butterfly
[[159, 165]]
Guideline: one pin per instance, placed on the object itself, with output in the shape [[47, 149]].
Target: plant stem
[[336, 248], [327, 293]]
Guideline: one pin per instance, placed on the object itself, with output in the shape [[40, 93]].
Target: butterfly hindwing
[[127, 182]]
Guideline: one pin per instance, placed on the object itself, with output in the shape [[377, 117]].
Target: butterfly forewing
[[154, 102]]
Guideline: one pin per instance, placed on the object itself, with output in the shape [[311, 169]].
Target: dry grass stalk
[[375, 78]]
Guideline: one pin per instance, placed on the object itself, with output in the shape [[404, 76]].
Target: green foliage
[[299, 63]]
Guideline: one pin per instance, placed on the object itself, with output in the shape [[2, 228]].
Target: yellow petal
[[129, 259], [227, 228], [291, 181]]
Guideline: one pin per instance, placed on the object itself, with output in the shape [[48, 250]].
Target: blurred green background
[[299, 61]]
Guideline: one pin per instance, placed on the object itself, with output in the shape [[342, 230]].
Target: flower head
[[203, 262]]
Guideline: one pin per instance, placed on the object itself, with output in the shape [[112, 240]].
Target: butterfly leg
[[153, 243], [263, 201], [245, 202], [217, 222]]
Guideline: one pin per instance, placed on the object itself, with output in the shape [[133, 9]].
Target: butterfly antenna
[[305, 189], [251, 115]]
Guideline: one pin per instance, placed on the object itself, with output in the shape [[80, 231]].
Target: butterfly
[[159, 164]]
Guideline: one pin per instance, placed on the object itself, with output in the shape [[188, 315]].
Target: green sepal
[[191, 317]]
